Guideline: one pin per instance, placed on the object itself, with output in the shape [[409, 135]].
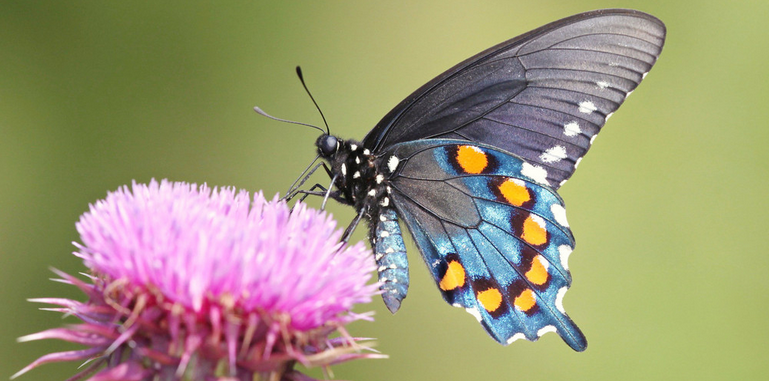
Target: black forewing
[[542, 96]]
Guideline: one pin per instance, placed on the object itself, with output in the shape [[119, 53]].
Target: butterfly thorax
[[360, 181]]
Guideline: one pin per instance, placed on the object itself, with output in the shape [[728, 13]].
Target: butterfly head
[[327, 145]]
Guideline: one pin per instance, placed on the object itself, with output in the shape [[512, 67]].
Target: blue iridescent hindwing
[[503, 256]]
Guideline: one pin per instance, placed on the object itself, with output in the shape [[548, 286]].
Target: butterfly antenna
[[301, 79], [262, 113]]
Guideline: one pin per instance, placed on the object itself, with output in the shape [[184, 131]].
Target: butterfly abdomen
[[390, 254]]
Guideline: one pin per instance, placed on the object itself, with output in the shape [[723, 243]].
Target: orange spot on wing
[[454, 277], [472, 159], [537, 274], [533, 232], [490, 299], [514, 193], [525, 301]]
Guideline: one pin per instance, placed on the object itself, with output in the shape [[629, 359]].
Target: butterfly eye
[[327, 145]]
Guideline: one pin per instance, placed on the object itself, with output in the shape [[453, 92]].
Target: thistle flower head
[[191, 283]]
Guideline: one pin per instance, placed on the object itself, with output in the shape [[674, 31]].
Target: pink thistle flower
[[192, 283]]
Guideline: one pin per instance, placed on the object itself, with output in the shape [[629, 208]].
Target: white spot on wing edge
[[565, 251], [392, 163], [384, 234], [546, 329], [571, 129], [472, 311], [576, 163], [609, 116], [535, 173], [587, 107], [553, 154], [517, 336], [381, 216], [559, 299], [559, 213]]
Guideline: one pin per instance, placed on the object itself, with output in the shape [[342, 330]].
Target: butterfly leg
[[304, 177], [351, 228], [335, 195]]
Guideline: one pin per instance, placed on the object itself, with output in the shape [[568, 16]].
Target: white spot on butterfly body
[[344, 170], [385, 201], [353, 147], [565, 251], [356, 175], [602, 84], [553, 155], [392, 163], [535, 173], [587, 107], [366, 152], [379, 179], [572, 129], [517, 336], [559, 213], [357, 160], [372, 192], [382, 217], [546, 329], [559, 299]]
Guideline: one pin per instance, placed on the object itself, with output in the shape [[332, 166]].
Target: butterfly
[[472, 162]]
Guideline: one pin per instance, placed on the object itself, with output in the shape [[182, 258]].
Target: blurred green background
[[669, 209]]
